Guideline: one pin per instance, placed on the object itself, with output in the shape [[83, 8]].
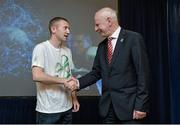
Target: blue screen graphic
[[24, 24], [18, 30]]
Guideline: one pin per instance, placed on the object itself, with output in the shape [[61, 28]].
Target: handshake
[[71, 83]]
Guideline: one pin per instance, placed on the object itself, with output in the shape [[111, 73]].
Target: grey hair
[[108, 12]]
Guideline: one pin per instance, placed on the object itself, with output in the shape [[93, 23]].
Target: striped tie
[[110, 50]]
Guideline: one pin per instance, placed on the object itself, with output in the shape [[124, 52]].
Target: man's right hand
[[71, 84]]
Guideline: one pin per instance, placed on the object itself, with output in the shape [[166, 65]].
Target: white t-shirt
[[55, 62]]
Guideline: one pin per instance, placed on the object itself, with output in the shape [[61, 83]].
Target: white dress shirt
[[115, 36]]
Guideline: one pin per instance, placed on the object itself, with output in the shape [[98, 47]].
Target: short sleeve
[[38, 56]]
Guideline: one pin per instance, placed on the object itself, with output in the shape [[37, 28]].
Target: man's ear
[[109, 19], [53, 29]]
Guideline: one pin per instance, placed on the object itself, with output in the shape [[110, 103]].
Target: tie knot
[[110, 39]]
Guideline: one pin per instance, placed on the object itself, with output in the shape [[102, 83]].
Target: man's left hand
[[139, 114]]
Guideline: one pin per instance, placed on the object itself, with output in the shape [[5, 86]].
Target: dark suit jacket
[[125, 80]]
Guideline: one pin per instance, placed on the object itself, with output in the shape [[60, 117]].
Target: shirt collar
[[116, 33]]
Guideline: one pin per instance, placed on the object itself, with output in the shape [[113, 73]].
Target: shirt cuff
[[78, 85]]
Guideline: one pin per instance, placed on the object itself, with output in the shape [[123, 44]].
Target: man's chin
[[65, 39], [103, 35]]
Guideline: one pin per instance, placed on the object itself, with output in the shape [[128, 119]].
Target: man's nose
[[68, 31]]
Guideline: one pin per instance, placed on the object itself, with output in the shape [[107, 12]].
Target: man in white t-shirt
[[51, 69]]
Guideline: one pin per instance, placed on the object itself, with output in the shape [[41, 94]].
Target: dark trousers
[[54, 118], [111, 118]]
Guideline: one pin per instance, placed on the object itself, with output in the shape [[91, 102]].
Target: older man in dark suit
[[121, 61]]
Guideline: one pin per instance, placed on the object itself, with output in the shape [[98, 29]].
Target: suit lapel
[[120, 41]]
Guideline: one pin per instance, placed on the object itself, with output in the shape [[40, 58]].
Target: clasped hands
[[71, 83]]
